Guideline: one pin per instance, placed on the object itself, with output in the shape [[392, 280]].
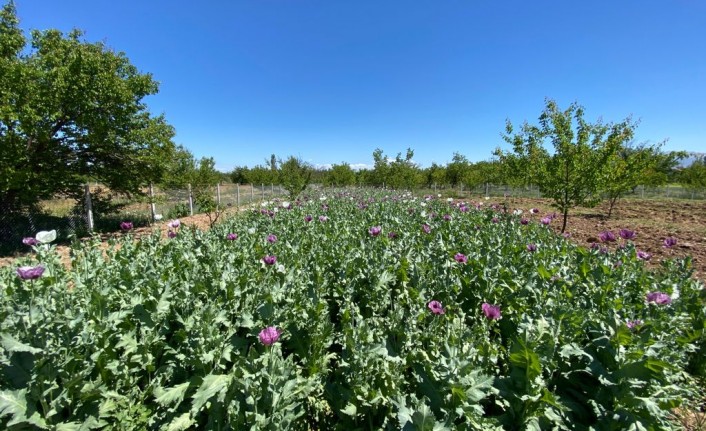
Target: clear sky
[[331, 80]]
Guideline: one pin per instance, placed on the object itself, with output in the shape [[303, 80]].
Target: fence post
[[262, 190], [218, 194], [89, 208], [153, 210], [237, 193], [272, 187], [191, 201]]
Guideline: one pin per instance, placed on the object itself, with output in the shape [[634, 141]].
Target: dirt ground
[[652, 221]]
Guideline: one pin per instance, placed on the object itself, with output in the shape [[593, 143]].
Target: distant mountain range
[[683, 163]]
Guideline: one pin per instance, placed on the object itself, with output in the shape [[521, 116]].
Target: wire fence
[[102, 211]]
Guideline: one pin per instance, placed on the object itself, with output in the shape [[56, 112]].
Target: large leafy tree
[[340, 175], [571, 174], [295, 175], [71, 110]]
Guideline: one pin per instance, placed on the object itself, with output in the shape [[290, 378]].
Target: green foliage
[[163, 334], [340, 176], [72, 110], [694, 175], [629, 167], [294, 176], [570, 174]]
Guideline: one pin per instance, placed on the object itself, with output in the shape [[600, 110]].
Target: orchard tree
[[294, 175], [571, 174], [694, 175], [70, 111], [631, 166], [340, 175], [457, 169], [404, 173]]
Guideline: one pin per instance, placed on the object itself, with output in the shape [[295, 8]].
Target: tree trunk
[[566, 217]]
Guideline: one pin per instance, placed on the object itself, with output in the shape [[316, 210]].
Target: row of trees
[[72, 111]]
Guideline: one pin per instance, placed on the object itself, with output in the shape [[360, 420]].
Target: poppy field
[[351, 311]]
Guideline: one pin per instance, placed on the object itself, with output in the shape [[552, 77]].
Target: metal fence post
[[262, 190], [237, 194], [89, 208], [218, 193], [153, 210], [191, 201]]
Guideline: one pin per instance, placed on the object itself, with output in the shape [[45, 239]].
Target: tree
[[570, 176], [456, 170], [379, 175], [694, 175], [294, 175], [340, 175], [629, 167], [70, 111], [403, 172]]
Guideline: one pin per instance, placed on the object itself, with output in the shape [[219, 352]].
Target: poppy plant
[[659, 298], [669, 242], [626, 234], [269, 336], [460, 258], [492, 312], [436, 307], [30, 272]]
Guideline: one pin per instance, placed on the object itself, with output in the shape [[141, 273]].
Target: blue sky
[[329, 81]]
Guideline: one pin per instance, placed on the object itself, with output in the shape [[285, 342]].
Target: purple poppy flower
[[426, 228], [269, 335], [324, 207], [669, 242], [392, 235], [463, 209], [566, 234], [171, 234], [174, 224], [531, 247], [435, 307], [495, 220], [30, 272], [606, 236], [633, 324], [375, 230], [271, 238], [626, 234], [643, 255], [546, 220], [534, 210], [447, 217], [232, 236], [524, 221], [269, 259], [659, 298], [492, 312], [460, 258], [126, 225], [323, 219], [308, 218], [30, 241]]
